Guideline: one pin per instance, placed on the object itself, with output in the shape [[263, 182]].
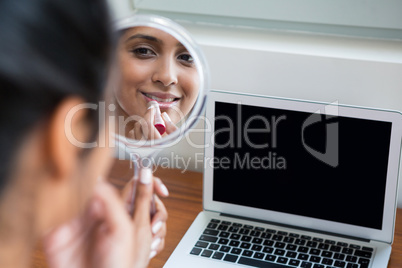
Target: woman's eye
[[143, 52], [186, 57]]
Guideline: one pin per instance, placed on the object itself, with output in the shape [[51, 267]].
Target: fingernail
[[146, 176], [155, 244], [152, 104], [157, 226], [152, 254], [163, 188], [166, 117]]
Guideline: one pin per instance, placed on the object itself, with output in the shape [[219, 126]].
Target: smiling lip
[[164, 100]]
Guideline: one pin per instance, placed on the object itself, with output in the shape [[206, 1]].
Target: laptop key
[[195, 251], [291, 254], [303, 257], [323, 246], [294, 262], [319, 240], [314, 251], [211, 232], [306, 237], [364, 263], [233, 229], [280, 245], [244, 231], [354, 246], [352, 265], [235, 236], [246, 238], [255, 233], [237, 224], [207, 253], [223, 241], [260, 263], [225, 249], [234, 243], [326, 254], [226, 222], [212, 225], [217, 256], [291, 247], [208, 238], [223, 227], [351, 258], [224, 234], [288, 239], [247, 253], [282, 233], [245, 245], [339, 256], [364, 254], [282, 260], [230, 258], [331, 242], [268, 243], [256, 248], [315, 259], [306, 265], [270, 231], [257, 240], [342, 244], [327, 261], [347, 250], [335, 249], [270, 257], [236, 251], [294, 235], [367, 249], [277, 237], [213, 246], [201, 244], [318, 266], [279, 252], [259, 255], [215, 221], [311, 244], [260, 229], [268, 250], [340, 264], [248, 227], [303, 249], [266, 235], [300, 242]]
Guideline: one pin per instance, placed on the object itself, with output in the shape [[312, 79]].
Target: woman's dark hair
[[49, 50]]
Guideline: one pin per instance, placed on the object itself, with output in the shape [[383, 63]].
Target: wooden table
[[185, 202]]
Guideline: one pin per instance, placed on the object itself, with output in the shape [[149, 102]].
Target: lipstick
[[159, 124]]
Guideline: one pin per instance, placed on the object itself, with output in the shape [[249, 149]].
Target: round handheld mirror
[[157, 89]]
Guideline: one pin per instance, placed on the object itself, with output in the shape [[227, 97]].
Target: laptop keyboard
[[260, 247]]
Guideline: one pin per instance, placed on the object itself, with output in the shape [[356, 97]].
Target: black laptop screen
[[326, 167]]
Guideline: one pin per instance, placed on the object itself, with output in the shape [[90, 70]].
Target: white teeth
[[158, 99]]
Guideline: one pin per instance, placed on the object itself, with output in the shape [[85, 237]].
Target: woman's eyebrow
[[144, 36]]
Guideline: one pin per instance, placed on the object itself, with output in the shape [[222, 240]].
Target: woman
[[53, 57], [154, 68]]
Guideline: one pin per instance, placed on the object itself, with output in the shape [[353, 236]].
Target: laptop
[[291, 183]]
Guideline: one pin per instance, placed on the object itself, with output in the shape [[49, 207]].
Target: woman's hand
[[105, 236], [145, 128]]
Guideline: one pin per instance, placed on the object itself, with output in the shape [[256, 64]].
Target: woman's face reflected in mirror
[[154, 66]]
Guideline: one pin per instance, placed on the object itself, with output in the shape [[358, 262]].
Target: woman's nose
[[165, 73]]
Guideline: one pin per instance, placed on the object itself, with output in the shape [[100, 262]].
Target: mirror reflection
[[157, 83]]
